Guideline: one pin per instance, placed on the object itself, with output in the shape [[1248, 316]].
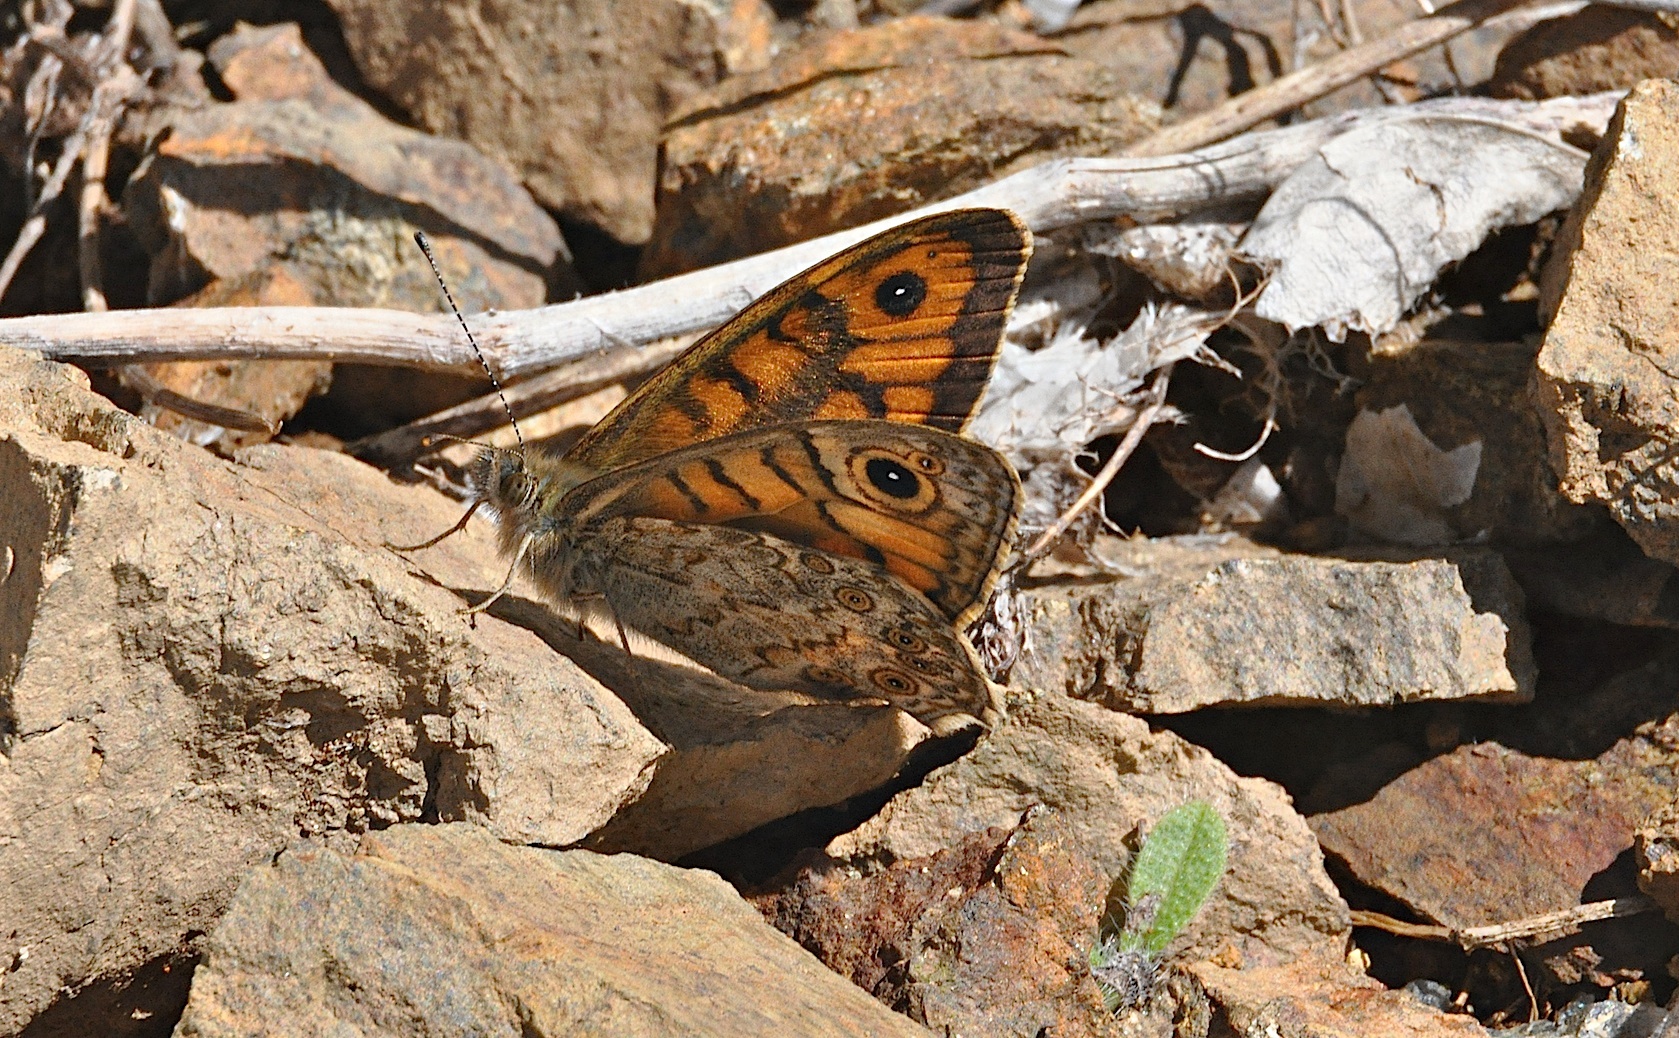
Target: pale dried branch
[[1050, 196], [1547, 925]]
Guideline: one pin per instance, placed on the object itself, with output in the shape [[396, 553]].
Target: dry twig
[[1549, 924]]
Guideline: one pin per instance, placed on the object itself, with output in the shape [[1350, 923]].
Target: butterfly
[[788, 503]]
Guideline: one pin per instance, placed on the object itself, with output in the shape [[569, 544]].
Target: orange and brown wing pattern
[[905, 326], [932, 509]]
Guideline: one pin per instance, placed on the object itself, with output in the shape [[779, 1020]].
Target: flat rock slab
[[1205, 622], [857, 125], [1106, 774], [444, 930], [233, 188], [1488, 834], [1607, 386]]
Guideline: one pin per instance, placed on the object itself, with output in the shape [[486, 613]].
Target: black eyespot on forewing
[[892, 478], [901, 294]]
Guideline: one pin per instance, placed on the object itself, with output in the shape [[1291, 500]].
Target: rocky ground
[[1383, 336]]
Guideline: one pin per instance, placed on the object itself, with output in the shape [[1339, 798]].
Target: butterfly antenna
[[436, 272]]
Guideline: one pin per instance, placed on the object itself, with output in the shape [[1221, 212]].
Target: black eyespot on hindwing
[[892, 478]]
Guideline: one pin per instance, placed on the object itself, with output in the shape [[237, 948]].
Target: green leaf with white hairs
[[1179, 864]]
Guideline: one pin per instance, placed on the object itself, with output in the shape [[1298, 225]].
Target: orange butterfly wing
[[905, 326]]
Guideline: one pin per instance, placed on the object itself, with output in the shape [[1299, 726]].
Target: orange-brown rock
[[857, 125]]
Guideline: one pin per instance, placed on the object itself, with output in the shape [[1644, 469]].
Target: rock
[[1599, 48], [204, 660], [306, 173], [990, 937], [1606, 390], [853, 126], [1604, 577], [1457, 394], [1321, 998], [1657, 850], [1197, 623], [1106, 775], [471, 936], [1533, 825], [572, 97]]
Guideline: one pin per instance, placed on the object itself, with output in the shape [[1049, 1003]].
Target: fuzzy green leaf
[[1179, 864]]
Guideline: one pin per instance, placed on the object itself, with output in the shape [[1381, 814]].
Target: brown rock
[[1599, 48], [1320, 998], [858, 125], [571, 96], [499, 940], [1606, 390], [991, 937], [1196, 624], [308, 173], [1488, 834], [198, 670], [1106, 775], [1657, 849]]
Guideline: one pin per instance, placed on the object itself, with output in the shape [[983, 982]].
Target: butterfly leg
[[518, 557], [450, 532]]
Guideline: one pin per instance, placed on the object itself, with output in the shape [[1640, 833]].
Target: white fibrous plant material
[[1190, 257], [1355, 236], [1395, 485], [1045, 406]]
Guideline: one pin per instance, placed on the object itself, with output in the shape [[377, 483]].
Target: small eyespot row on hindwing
[[816, 563], [893, 682], [816, 673], [855, 599]]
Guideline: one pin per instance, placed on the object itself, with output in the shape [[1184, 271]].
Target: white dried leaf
[[1355, 236], [1048, 404], [1395, 485]]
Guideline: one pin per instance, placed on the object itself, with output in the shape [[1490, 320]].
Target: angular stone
[[571, 96], [1657, 849], [1321, 998], [1198, 624], [443, 930], [854, 126], [1531, 828], [1106, 774], [989, 937], [307, 173], [201, 660], [1607, 392], [1599, 48]]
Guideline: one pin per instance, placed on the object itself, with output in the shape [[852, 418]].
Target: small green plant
[[1177, 866]]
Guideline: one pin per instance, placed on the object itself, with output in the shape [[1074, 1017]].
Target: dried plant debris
[[1356, 235]]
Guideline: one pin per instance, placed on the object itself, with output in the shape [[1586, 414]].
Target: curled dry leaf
[[1357, 234]]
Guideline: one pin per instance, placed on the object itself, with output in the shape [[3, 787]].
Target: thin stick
[[1053, 195], [1127, 446], [1546, 925], [1285, 94]]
